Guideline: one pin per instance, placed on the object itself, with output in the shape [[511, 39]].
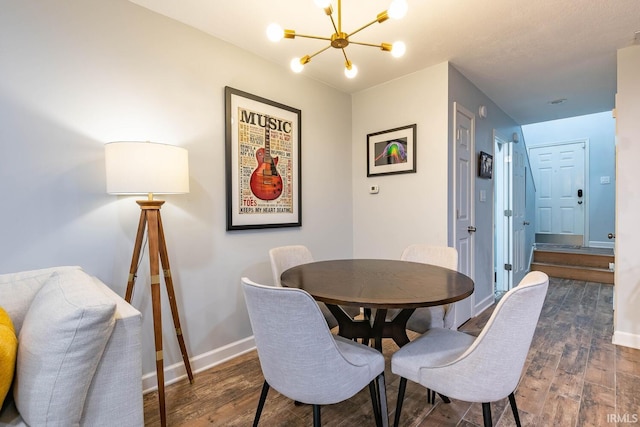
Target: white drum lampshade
[[146, 168]]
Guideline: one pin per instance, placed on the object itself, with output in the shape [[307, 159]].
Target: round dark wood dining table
[[378, 284]]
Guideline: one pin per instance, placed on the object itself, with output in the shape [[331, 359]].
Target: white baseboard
[[626, 339], [198, 363], [483, 305]]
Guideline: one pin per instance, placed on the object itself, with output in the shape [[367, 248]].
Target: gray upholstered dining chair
[[442, 316], [483, 369], [302, 359], [285, 257]]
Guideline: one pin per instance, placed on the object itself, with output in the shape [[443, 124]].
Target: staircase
[[576, 264]]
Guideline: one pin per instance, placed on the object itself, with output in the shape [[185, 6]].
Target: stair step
[[573, 259], [588, 274]]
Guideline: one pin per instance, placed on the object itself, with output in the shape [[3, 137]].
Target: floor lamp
[[151, 168]]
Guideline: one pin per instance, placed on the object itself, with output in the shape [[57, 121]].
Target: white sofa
[[79, 351]]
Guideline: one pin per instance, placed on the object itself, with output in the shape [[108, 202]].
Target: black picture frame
[[263, 162], [485, 165], [392, 151]]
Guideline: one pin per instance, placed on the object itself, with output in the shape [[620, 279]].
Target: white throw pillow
[[60, 344], [17, 290]]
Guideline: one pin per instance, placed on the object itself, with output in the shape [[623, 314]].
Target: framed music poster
[[263, 141]]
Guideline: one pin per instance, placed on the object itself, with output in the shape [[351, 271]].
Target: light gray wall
[[599, 130], [75, 75], [409, 208], [627, 274]]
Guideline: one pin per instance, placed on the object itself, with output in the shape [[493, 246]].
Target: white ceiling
[[521, 53]]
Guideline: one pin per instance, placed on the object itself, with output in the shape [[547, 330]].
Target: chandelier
[[339, 39]]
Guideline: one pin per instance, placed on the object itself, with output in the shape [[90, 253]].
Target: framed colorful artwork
[[263, 141], [392, 151]]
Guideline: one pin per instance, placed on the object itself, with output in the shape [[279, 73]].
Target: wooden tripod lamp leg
[[164, 257], [152, 219], [133, 270]]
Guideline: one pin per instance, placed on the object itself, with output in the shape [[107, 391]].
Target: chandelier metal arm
[[345, 56], [333, 22], [384, 14], [383, 46], [319, 52], [307, 36]]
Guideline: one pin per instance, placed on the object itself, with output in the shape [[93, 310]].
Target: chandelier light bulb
[[350, 71], [398, 9], [275, 33], [398, 49], [322, 4], [296, 65]]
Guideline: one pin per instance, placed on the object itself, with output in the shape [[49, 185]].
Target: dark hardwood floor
[[574, 376]]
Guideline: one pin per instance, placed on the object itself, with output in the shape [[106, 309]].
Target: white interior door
[[464, 173], [559, 173]]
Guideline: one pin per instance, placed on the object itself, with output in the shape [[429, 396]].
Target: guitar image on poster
[[266, 182]]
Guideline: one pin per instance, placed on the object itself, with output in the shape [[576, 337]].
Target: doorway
[[509, 220]]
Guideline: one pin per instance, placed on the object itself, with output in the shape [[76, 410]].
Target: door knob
[[471, 229], [611, 235], [579, 202]]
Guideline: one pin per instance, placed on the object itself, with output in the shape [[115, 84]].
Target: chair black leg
[[384, 411], [514, 408], [486, 414], [374, 401], [431, 397], [316, 415], [401, 390], [444, 398], [263, 397]]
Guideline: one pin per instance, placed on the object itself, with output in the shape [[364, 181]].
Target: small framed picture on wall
[[392, 151], [485, 166]]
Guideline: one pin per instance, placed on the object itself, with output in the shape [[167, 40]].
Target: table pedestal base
[[395, 328]]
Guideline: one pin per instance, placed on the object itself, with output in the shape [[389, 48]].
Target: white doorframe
[[503, 251], [465, 308]]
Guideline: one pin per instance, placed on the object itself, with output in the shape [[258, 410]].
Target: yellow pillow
[[8, 350]]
